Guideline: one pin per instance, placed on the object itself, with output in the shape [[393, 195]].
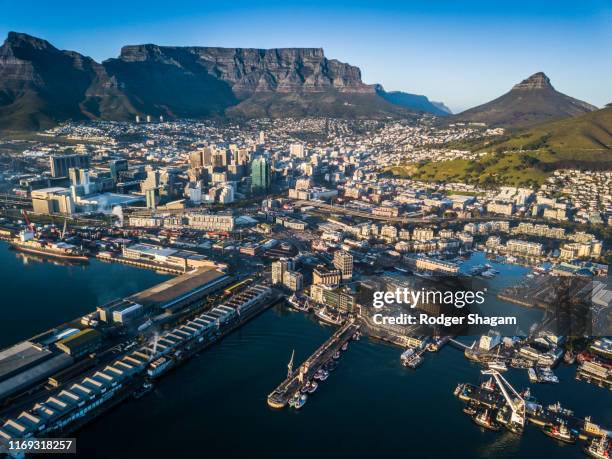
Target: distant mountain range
[[415, 102], [529, 102], [41, 85]]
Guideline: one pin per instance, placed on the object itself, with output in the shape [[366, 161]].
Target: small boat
[[546, 375], [331, 365], [599, 448], [560, 432], [484, 419], [533, 377], [413, 361], [336, 355], [470, 410], [300, 401], [312, 387], [557, 408], [489, 385], [328, 317], [345, 346], [569, 357], [321, 374], [293, 302], [143, 390]]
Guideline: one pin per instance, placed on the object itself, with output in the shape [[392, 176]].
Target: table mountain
[[41, 85]]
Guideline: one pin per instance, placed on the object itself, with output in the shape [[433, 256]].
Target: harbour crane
[[27, 220], [290, 365], [514, 401]]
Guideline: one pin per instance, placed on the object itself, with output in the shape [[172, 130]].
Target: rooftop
[[173, 289]]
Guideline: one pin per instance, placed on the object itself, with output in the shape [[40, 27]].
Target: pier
[[305, 372]]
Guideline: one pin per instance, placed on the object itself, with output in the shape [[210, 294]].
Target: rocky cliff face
[[41, 85], [247, 71], [536, 81]]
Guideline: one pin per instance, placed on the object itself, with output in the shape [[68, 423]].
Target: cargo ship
[[25, 242]]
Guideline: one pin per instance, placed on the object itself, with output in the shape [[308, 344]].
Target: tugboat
[[599, 449], [484, 419], [560, 432]]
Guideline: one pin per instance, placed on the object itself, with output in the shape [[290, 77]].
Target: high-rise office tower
[[59, 164], [260, 175], [116, 167], [344, 262]]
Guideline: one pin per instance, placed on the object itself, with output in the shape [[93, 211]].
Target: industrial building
[[181, 291], [182, 259], [80, 343], [26, 364]]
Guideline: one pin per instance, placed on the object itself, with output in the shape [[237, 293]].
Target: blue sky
[[460, 52]]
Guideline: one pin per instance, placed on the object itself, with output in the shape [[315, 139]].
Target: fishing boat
[[484, 419], [560, 432], [599, 448]]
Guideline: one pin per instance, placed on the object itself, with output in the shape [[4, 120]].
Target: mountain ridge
[[532, 101], [41, 85]]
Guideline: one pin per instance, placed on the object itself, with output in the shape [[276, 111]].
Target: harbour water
[[215, 405], [39, 293]]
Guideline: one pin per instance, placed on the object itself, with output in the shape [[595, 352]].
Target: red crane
[[27, 220]]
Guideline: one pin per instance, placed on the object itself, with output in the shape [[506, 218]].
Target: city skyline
[[418, 48]]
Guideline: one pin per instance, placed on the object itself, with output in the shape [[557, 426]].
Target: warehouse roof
[[80, 338], [179, 286], [19, 357]]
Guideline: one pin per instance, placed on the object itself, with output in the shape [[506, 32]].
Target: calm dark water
[[38, 293], [215, 404]]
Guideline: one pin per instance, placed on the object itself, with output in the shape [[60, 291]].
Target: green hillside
[[528, 157]]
